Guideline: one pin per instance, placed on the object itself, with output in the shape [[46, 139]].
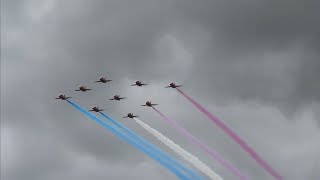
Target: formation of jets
[[115, 97]]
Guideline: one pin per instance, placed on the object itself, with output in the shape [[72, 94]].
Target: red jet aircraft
[[103, 80], [173, 85], [117, 98], [130, 115], [83, 88], [62, 97], [138, 83], [149, 104], [96, 109]]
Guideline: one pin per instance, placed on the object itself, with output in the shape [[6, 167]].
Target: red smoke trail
[[203, 146], [235, 137]]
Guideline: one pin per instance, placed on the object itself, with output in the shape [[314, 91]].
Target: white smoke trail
[[179, 150]]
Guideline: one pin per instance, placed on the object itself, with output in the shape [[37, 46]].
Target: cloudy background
[[254, 64]]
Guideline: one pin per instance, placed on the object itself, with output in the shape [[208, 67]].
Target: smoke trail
[[234, 136], [130, 141], [203, 146], [152, 147], [179, 150]]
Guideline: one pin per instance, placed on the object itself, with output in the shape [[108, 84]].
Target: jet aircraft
[[83, 88], [139, 83], [117, 98], [149, 104], [96, 109], [103, 80], [130, 115], [62, 97], [173, 85]]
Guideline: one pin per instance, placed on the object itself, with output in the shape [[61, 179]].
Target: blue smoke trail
[[152, 147], [130, 141]]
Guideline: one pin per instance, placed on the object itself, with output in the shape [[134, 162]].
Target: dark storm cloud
[[261, 49], [225, 53], [259, 23]]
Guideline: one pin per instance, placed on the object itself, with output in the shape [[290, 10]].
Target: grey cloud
[[258, 23], [255, 49], [225, 54]]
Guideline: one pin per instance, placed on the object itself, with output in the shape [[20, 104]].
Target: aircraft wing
[[112, 99], [167, 86], [77, 90], [125, 117], [91, 110], [133, 84], [153, 104], [144, 105], [123, 98]]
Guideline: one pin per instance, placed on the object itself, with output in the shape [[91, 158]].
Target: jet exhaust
[[180, 151], [234, 136], [212, 153], [130, 141], [152, 147]]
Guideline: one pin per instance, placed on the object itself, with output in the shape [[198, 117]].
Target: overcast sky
[[254, 64]]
